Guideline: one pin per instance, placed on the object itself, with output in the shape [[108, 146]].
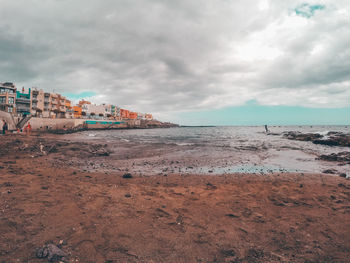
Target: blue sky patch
[[306, 10], [81, 95], [254, 114]]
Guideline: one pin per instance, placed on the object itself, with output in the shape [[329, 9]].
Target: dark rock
[[292, 135], [211, 186], [52, 252], [44, 187], [335, 139], [232, 215], [332, 138], [336, 157], [42, 252], [342, 175], [254, 255], [127, 176], [228, 252], [127, 195], [329, 171]]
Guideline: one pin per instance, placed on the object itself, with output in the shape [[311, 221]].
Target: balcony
[[22, 108], [23, 101]]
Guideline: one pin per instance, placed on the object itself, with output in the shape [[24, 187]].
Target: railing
[[22, 122]]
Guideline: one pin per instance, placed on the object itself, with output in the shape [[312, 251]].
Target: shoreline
[[102, 217]]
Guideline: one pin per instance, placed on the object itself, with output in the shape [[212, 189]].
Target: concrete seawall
[[55, 124], [71, 124], [11, 122], [45, 124]]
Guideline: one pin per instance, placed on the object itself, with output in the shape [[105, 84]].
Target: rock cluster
[[52, 252], [336, 157], [330, 139]]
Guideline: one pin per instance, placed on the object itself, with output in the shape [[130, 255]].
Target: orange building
[[77, 111], [82, 102], [124, 114], [68, 104], [133, 115]]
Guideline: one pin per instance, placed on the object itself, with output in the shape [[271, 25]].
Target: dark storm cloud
[[179, 55]]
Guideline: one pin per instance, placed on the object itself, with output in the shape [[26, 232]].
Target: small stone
[[127, 195], [329, 171], [127, 176], [342, 175], [232, 215], [63, 242]]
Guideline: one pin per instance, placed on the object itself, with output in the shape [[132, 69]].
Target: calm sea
[[241, 149]]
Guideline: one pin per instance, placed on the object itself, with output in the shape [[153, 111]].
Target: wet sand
[[62, 191]]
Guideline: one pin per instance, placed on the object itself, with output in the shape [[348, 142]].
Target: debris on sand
[[210, 186], [99, 150], [52, 253], [127, 176]]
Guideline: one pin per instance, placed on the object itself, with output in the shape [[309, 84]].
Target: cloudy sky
[[185, 60]]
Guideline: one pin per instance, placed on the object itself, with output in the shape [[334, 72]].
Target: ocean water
[[220, 150]]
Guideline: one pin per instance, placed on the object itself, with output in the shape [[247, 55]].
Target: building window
[[2, 99], [11, 100], [10, 109]]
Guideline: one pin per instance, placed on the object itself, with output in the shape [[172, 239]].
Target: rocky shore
[[330, 139], [53, 209]]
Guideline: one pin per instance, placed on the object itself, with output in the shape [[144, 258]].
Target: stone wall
[[6, 116], [54, 124]]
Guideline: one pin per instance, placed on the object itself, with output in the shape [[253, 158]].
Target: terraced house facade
[[8, 97]]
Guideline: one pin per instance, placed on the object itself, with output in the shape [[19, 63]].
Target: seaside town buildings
[[36, 102]]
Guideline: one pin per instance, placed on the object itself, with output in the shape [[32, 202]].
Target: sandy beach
[[56, 190]]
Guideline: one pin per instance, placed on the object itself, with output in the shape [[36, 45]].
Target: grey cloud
[[172, 55]]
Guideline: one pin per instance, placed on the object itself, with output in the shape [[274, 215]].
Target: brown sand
[[174, 218]]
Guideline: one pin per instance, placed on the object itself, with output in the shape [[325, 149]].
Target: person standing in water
[[266, 129]]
